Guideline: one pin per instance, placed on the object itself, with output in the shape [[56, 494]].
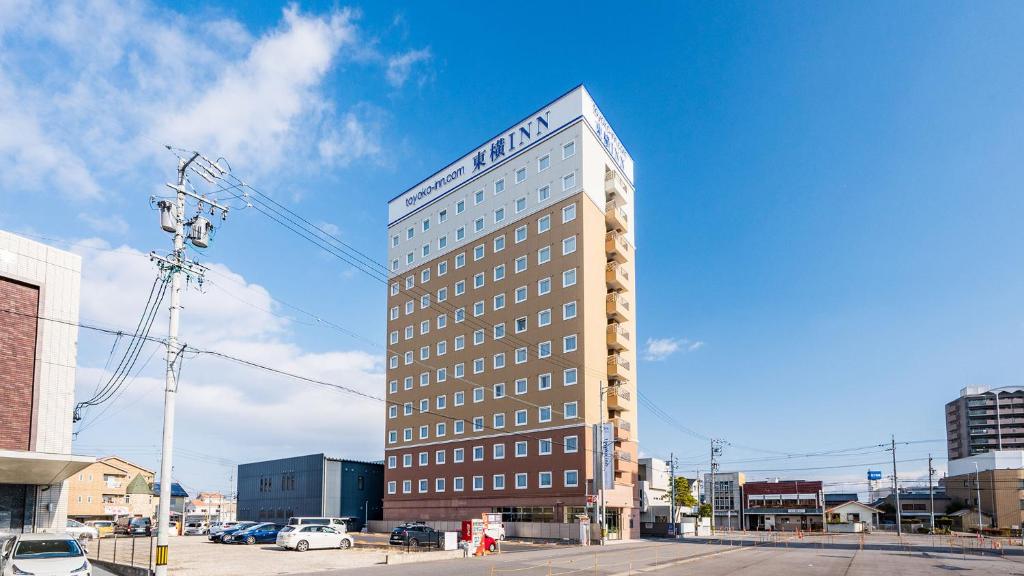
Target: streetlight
[[977, 491]]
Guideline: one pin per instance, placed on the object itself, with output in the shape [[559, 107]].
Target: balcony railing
[[618, 336], [617, 247], [618, 398], [615, 217], [617, 276], [618, 366], [617, 306], [615, 188]]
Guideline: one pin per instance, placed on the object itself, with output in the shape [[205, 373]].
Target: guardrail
[[123, 550]]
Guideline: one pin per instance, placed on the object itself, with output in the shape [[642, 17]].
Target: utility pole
[[672, 503], [896, 487], [931, 495], [172, 219], [716, 450], [604, 448]]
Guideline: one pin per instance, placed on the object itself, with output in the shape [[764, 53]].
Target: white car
[[81, 531], [43, 554], [305, 537], [496, 531], [196, 528]]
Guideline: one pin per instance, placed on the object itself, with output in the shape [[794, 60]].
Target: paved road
[[788, 556]]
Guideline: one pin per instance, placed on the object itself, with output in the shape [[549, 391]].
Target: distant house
[[178, 498], [851, 512], [840, 498], [967, 520]]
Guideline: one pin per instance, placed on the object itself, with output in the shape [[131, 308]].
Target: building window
[[424, 275], [460, 342], [569, 181], [520, 204], [406, 460], [544, 414], [499, 272], [499, 421], [544, 223], [460, 287], [406, 486], [478, 395], [499, 186], [458, 455], [392, 411], [423, 486], [572, 479], [460, 398], [569, 310], [460, 206], [543, 193], [392, 436], [569, 377], [521, 355], [478, 424], [569, 278], [544, 255], [569, 410], [520, 264], [478, 453], [520, 234], [460, 260], [458, 484], [479, 279], [478, 225], [568, 245], [441, 402], [460, 370], [478, 337], [440, 429], [442, 216], [544, 349], [442, 268], [521, 449], [544, 480], [499, 215], [499, 244], [478, 366], [570, 444], [499, 361], [544, 382], [569, 213], [424, 432], [498, 452], [543, 286], [498, 482], [521, 293], [460, 235], [521, 388], [520, 417], [424, 459], [544, 317], [498, 391], [543, 163], [392, 487], [520, 480], [478, 483], [439, 485], [568, 149], [499, 303], [478, 252], [478, 197], [569, 343]]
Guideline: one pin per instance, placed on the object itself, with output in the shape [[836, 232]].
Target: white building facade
[[39, 298]]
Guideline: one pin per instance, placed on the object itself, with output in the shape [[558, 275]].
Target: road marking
[[683, 561]]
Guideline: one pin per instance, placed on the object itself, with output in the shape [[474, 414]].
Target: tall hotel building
[[511, 328]]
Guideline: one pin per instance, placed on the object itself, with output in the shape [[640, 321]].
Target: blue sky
[[829, 201]]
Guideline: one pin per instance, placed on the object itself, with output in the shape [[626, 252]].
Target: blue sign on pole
[[874, 474]]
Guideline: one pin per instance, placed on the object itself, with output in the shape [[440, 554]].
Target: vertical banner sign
[[604, 467]]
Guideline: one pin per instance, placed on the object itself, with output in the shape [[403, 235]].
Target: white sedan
[[305, 537], [81, 531], [43, 554]]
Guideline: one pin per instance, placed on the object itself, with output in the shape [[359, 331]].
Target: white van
[[339, 524]]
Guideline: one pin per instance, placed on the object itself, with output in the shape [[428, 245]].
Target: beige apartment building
[[512, 329], [105, 490]]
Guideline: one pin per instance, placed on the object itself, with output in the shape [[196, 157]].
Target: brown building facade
[[1001, 492], [511, 328], [101, 491]]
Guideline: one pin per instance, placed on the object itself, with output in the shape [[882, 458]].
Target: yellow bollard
[[549, 567]]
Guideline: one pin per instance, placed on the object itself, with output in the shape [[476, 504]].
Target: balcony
[[618, 367], [624, 463], [623, 429], [618, 336], [617, 276], [616, 247], [615, 188], [617, 307], [618, 398], [615, 217]]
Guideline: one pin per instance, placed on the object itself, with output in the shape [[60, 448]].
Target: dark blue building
[[314, 485]]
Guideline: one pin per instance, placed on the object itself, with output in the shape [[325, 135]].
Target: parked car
[[219, 536], [309, 536], [196, 528], [43, 554], [103, 527], [135, 526], [496, 531], [344, 523], [263, 532], [415, 535], [81, 531], [218, 527]]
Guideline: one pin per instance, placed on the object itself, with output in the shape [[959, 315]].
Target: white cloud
[[400, 66], [658, 349], [109, 224], [239, 318]]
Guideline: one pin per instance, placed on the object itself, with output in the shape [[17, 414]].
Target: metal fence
[[534, 530], [134, 551]]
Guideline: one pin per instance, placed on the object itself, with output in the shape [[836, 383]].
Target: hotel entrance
[[614, 518]]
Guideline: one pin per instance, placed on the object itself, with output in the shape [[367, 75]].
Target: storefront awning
[[17, 467]]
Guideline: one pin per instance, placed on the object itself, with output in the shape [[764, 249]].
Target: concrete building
[[39, 291], [915, 505], [851, 512], [655, 489], [783, 505], [212, 506], [512, 328], [100, 491], [314, 485], [728, 505], [983, 419], [998, 479]]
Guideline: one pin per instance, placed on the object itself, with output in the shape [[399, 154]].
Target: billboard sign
[[874, 474]]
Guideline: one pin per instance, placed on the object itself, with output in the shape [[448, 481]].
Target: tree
[[684, 498], [704, 511]]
